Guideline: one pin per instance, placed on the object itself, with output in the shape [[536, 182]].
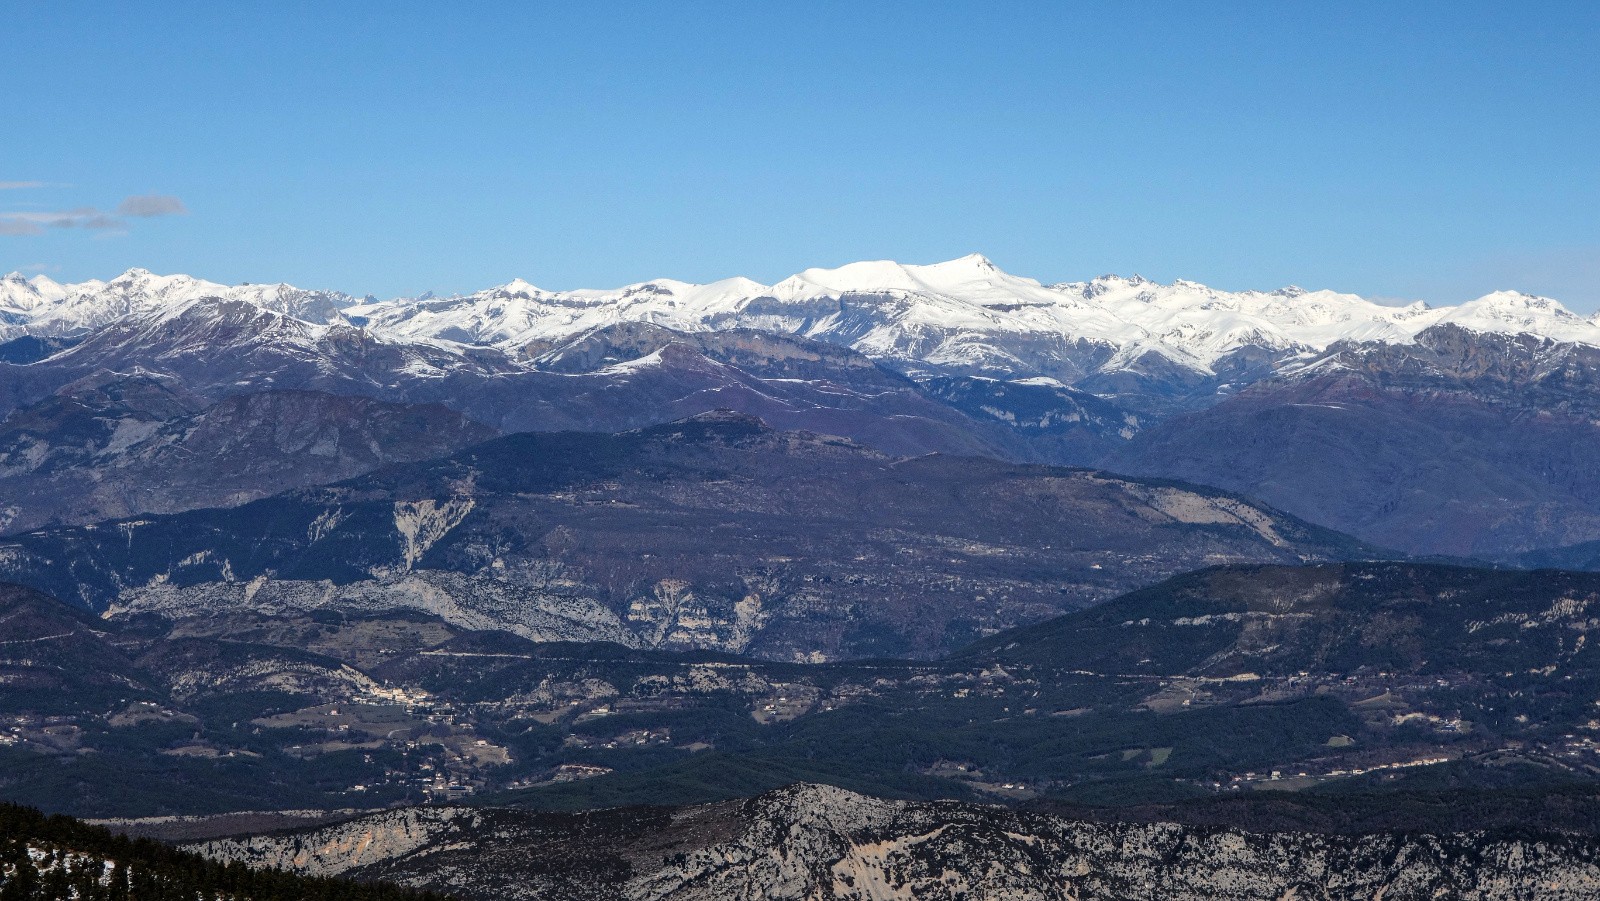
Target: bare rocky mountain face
[[817, 842], [716, 532]]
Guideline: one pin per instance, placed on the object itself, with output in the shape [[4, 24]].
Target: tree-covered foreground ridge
[[57, 858]]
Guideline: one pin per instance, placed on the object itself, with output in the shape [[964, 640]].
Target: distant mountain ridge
[[1464, 431], [711, 532], [42, 306], [964, 315], [1459, 443]]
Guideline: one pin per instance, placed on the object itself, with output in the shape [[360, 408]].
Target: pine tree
[[118, 889], [56, 884], [23, 883]]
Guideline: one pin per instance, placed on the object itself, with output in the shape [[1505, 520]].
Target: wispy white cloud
[[19, 185], [81, 217], [146, 205], [109, 223]]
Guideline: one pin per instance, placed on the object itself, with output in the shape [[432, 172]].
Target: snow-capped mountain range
[[42, 306], [1245, 391], [964, 315]]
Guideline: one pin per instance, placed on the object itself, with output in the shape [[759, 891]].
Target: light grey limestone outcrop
[[815, 842]]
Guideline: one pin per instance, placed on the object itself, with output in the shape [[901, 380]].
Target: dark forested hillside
[[1466, 444], [57, 858], [1349, 680]]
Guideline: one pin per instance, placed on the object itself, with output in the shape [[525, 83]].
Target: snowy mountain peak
[[136, 274], [519, 287], [863, 277], [972, 268], [1517, 300], [963, 315], [974, 261], [54, 309], [1513, 312], [966, 277]]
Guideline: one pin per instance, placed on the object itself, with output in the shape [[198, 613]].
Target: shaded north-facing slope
[[215, 348], [1401, 618], [111, 447], [1461, 444]]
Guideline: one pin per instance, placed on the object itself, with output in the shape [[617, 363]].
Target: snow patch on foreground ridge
[[965, 312], [815, 841]]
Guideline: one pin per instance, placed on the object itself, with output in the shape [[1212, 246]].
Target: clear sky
[[1406, 150]]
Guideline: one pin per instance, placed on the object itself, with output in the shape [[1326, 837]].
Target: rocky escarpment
[[819, 842]]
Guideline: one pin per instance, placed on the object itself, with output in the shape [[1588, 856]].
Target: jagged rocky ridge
[[816, 842]]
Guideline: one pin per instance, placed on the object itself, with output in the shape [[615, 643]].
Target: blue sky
[[1416, 150]]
